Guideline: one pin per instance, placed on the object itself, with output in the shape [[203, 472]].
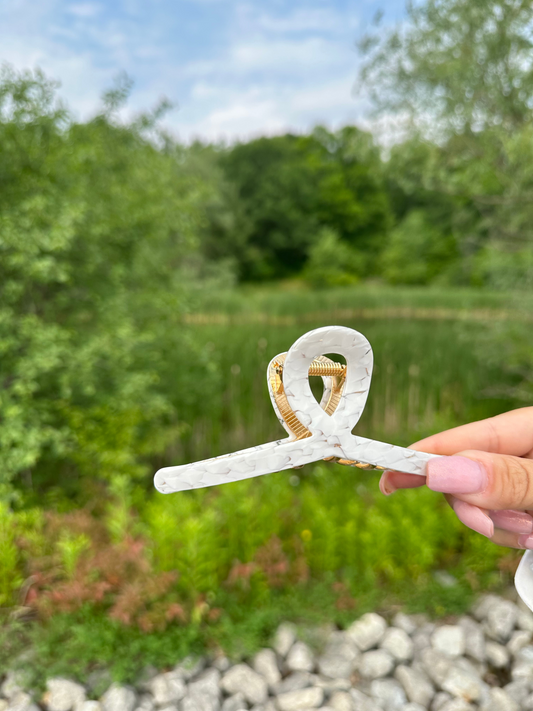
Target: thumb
[[490, 481]]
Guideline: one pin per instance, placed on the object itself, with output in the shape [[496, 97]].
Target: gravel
[[481, 662]]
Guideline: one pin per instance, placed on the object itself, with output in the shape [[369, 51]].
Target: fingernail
[[525, 541], [456, 475], [514, 521], [474, 517], [385, 485]]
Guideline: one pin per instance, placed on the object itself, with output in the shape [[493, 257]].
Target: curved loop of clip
[[329, 431]]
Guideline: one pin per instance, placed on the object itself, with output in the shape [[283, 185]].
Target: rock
[[269, 706], [98, 681], [368, 631], [118, 698], [497, 655], [500, 701], [375, 664], [440, 698], [463, 685], [4, 703], [265, 663], [481, 608], [519, 640], [189, 667], [457, 705], [96, 706], [398, 644], [12, 685], [417, 686], [404, 622], [196, 702], [300, 658], [330, 686], [524, 620], [474, 638], [206, 684], [145, 703], [167, 688], [293, 682], [284, 639], [449, 640], [221, 663], [522, 669], [63, 695], [436, 665], [339, 658], [421, 641], [249, 682], [22, 701], [363, 702], [414, 707], [303, 699], [388, 693], [501, 620], [234, 703], [527, 705], [342, 701], [518, 691]]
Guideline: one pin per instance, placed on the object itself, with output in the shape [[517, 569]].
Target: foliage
[[332, 262]]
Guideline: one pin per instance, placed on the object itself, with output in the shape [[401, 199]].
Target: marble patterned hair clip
[[316, 431]]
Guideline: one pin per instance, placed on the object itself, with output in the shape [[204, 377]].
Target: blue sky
[[235, 69]]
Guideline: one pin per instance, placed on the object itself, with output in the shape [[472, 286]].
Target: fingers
[[483, 522], [509, 433], [391, 481]]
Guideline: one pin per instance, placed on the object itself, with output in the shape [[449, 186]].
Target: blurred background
[[186, 188]]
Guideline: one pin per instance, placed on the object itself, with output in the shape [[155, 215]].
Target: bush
[[332, 262]]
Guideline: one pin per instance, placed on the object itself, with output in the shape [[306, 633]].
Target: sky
[[232, 69]]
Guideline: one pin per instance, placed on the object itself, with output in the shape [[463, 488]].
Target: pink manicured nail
[[474, 517], [456, 475], [385, 485], [514, 521], [525, 541]]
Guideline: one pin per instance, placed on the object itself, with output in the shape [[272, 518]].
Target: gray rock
[[249, 682], [481, 608], [414, 707], [518, 691], [189, 667], [145, 703], [368, 631], [474, 638], [388, 693], [284, 639], [96, 706], [342, 701], [527, 705], [293, 682], [522, 669], [118, 698], [398, 643], [363, 702], [64, 695], [417, 686], [404, 622], [221, 663], [265, 663], [269, 706], [449, 640], [501, 620], [457, 705], [436, 665], [4, 703], [519, 640], [440, 698], [21, 701], [497, 655], [237, 702], [12, 685], [198, 702], [206, 684], [421, 641], [500, 701], [303, 699], [463, 685], [300, 658], [330, 686], [524, 620], [167, 688], [376, 664], [170, 707], [339, 658]]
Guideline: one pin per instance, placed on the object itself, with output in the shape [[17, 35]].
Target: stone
[[474, 638], [342, 701], [500, 701], [519, 640], [518, 691], [481, 608], [244, 679], [167, 688], [206, 684], [330, 686], [463, 685], [4, 703], [221, 663], [63, 695], [414, 707], [309, 698], [363, 702], [404, 622], [234, 703], [497, 655], [197, 702], [118, 698], [421, 641], [284, 639], [12, 685], [398, 644], [527, 705], [22, 701], [300, 658], [524, 620], [440, 698], [417, 686], [436, 665], [339, 658], [368, 631], [501, 620], [293, 682], [522, 669], [388, 693], [96, 706], [145, 703], [265, 663], [375, 664], [457, 705], [449, 640], [189, 667]]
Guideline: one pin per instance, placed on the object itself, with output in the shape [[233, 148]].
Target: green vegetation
[[140, 302]]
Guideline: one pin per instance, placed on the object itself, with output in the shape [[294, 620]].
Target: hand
[[488, 480]]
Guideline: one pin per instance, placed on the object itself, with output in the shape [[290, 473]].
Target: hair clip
[[316, 431]]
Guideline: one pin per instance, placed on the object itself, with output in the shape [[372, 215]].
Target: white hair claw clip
[[315, 431]]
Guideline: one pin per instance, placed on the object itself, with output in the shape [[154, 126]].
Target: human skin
[[487, 477]]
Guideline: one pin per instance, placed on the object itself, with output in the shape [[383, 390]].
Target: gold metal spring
[[319, 368]]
